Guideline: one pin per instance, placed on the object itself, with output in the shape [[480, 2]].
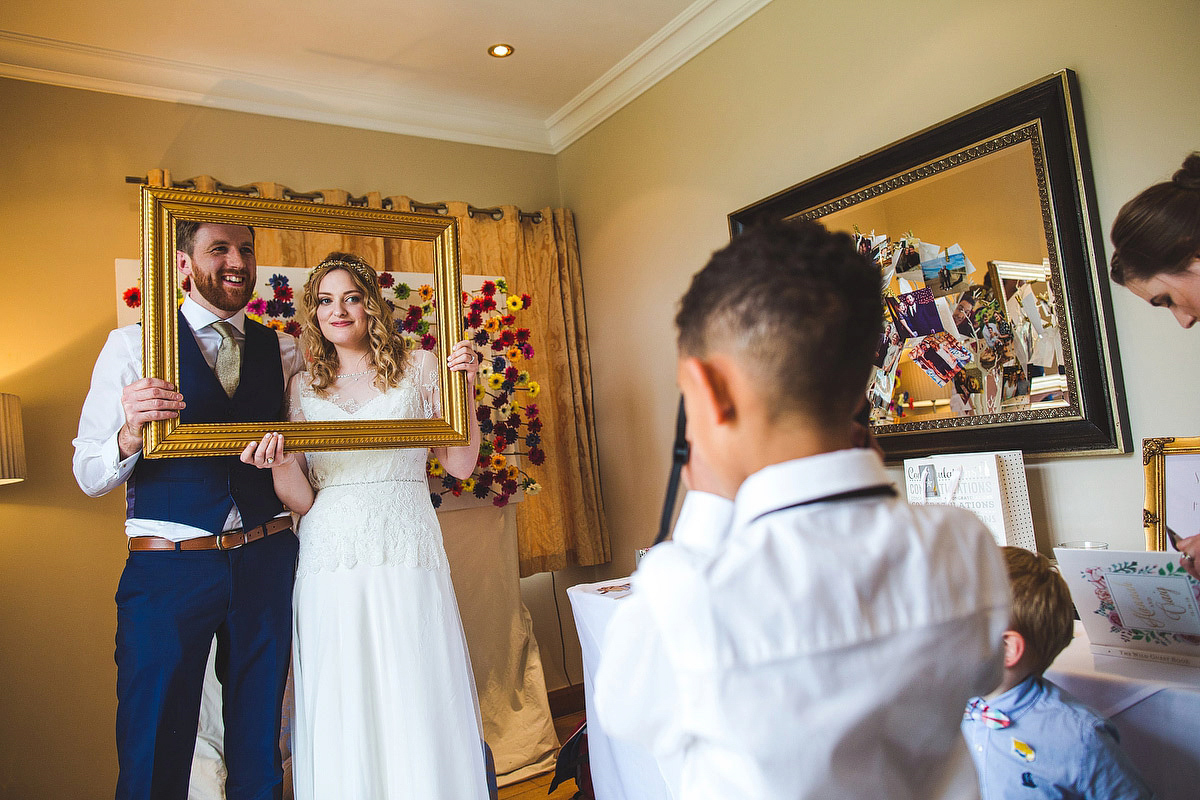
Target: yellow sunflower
[[514, 303], [435, 468], [498, 460], [492, 324], [426, 292], [513, 353], [534, 389], [495, 380]]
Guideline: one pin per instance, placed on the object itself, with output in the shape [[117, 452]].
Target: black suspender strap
[[880, 490]]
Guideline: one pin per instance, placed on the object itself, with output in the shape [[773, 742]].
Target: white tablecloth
[[1156, 708], [620, 770]]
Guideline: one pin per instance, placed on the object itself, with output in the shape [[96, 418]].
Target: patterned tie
[[229, 358], [980, 711]]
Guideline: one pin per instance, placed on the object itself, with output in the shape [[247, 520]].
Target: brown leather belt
[[224, 541]]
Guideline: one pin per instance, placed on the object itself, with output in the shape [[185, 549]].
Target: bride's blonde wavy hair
[[389, 350]]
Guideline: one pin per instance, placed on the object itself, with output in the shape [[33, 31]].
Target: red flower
[[187, 283], [488, 303], [386, 281], [133, 297], [488, 289], [527, 350], [511, 373], [499, 443], [531, 411], [507, 320], [477, 306], [509, 338], [535, 425], [415, 312], [537, 456], [292, 327], [526, 301], [283, 292], [522, 335], [474, 319], [510, 487], [500, 501], [428, 342]]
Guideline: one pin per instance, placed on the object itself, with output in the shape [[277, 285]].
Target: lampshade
[[12, 440]]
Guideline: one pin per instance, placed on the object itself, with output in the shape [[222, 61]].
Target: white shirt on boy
[[784, 648]]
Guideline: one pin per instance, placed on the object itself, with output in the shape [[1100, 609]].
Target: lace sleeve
[[425, 364], [292, 409]]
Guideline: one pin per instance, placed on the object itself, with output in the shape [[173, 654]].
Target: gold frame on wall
[[1154, 455], [161, 208]]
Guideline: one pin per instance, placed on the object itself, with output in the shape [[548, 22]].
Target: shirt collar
[[1019, 698], [200, 317], [804, 479]]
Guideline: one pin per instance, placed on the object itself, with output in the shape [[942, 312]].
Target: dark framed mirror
[[998, 328]]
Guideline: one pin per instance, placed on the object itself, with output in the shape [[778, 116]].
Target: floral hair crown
[[364, 271]]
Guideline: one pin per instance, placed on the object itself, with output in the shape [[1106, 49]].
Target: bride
[[385, 699]]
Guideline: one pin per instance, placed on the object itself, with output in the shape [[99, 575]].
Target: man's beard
[[222, 295]]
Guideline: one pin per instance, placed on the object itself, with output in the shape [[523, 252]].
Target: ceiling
[[401, 66]]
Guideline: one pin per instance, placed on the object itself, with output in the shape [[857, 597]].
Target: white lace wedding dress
[[385, 700]]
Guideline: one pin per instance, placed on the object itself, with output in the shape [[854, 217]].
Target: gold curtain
[[564, 525]]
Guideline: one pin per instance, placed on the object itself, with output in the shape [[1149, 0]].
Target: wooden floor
[[536, 787]]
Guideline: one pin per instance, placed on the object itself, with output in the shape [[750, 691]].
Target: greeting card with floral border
[[1135, 604]]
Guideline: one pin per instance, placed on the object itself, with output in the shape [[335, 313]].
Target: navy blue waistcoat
[[199, 491]]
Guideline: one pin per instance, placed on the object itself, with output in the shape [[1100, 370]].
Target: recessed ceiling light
[[500, 50]]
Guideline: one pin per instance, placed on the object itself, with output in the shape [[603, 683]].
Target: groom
[[211, 552]]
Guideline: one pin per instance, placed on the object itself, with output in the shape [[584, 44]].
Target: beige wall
[[802, 87], [65, 214]]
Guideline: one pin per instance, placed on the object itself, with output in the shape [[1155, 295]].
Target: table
[[1156, 708], [620, 770]]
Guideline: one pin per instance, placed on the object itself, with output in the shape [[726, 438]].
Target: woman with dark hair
[[1156, 244], [1156, 255], [385, 700]]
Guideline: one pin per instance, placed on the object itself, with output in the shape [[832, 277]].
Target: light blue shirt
[[1053, 747]]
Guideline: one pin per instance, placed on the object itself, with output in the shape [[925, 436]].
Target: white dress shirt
[[777, 649], [97, 463]]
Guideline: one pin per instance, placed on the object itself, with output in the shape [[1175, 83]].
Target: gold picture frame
[[1156, 514], [163, 207]]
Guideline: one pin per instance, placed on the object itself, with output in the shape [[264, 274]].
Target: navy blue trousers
[[170, 604]]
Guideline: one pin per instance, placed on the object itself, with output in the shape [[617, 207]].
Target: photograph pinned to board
[[1135, 604], [941, 356], [947, 272], [990, 485], [915, 314]]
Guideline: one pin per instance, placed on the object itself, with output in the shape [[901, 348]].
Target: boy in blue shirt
[[1029, 738]]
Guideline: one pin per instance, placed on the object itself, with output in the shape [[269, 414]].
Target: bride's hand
[[268, 453], [463, 358]]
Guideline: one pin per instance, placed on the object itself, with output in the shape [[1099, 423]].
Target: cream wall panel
[[803, 87], [65, 214]]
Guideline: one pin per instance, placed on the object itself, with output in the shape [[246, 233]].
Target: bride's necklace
[[355, 375]]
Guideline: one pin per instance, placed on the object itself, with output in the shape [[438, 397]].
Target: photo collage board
[[961, 340]]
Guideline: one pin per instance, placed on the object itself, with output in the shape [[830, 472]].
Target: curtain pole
[[495, 212]]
